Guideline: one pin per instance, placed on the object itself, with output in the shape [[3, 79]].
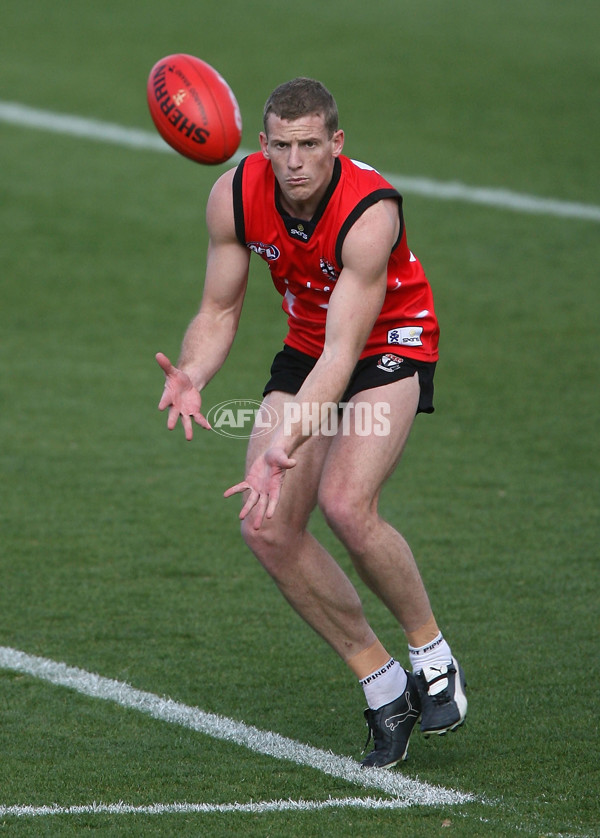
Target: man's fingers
[[272, 505], [254, 499], [261, 506], [181, 399], [253, 505], [172, 417], [186, 421], [202, 421], [234, 490], [164, 363], [165, 401], [259, 511]]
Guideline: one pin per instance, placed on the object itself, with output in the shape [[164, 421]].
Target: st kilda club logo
[[170, 103]]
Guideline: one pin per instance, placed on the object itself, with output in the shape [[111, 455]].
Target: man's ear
[[338, 142], [264, 144]]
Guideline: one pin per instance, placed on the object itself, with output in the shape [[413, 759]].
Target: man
[[362, 335]]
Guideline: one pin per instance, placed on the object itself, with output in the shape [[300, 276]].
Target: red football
[[194, 109]]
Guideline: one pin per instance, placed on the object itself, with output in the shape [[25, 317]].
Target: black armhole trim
[[238, 204], [364, 204]]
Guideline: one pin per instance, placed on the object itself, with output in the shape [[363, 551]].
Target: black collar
[[298, 228]]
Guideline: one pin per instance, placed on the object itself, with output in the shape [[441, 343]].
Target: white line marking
[[498, 198], [254, 807], [78, 126], [412, 792], [92, 129]]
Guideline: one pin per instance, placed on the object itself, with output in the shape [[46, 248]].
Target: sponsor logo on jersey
[[389, 363], [267, 251], [297, 229], [406, 336], [299, 232]]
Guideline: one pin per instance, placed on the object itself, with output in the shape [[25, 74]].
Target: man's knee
[[271, 544], [261, 541], [348, 515]]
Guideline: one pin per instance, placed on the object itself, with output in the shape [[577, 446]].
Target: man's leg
[[354, 472], [321, 593], [306, 574]]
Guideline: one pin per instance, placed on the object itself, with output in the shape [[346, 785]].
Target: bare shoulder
[[219, 208], [373, 235], [382, 216]]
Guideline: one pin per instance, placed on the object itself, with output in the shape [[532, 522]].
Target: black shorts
[[290, 367]]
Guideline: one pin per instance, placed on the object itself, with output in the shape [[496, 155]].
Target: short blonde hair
[[300, 97]]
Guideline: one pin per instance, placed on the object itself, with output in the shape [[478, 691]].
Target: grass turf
[[118, 553]]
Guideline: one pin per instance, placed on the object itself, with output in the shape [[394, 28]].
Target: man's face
[[302, 155]]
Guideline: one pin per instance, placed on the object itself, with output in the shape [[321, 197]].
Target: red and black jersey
[[305, 258]]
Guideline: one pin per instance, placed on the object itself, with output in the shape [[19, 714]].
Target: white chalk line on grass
[[404, 790], [253, 808], [92, 129]]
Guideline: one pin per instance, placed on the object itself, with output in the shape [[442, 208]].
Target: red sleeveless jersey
[[305, 258]]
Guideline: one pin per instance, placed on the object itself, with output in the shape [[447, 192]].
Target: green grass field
[[118, 553]]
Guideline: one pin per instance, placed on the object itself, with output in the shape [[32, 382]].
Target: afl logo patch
[[389, 363], [267, 251]]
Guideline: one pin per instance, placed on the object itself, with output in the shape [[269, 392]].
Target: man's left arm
[[354, 306]]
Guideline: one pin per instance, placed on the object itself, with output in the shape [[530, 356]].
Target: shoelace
[[443, 696], [371, 734]]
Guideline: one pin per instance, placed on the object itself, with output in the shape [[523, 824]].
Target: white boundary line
[[255, 808], [404, 790], [92, 129]]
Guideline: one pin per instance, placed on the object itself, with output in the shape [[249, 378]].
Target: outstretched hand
[[181, 397], [263, 482]]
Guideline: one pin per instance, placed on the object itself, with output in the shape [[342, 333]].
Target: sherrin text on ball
[[194, 109]]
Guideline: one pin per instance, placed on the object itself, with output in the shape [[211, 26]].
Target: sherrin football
[[194, 109]]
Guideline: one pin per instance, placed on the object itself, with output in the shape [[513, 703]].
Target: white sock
[[435, 653], [384, 685]]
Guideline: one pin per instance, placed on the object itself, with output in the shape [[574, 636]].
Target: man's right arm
[[209, 336]]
